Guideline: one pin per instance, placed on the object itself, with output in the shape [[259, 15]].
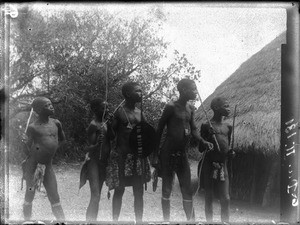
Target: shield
[[148, 136]]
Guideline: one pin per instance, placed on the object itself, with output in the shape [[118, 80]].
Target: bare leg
[[117, 202], [209, 205], [30, 166], [50, 184], [138, 199], [167, 183], [96, 182], [208, 186], [184, 177], [223, 189]]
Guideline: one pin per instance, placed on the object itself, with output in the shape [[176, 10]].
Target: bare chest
[[45, 130], [129, 118], [182, 114], [221, 130]]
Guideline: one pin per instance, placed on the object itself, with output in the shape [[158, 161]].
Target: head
[[187, 89], [132, 92], [42, 106], [98, 107], [220, 105]]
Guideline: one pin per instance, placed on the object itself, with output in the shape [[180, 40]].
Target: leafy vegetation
[[73, 57]]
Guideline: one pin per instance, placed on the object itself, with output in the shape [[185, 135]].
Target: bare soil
[[75, 202]]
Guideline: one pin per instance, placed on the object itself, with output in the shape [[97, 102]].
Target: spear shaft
[[233, 124], [214, 136], [232, 145], [28, 120]]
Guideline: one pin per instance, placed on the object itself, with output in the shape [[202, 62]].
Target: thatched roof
[[255, 88]]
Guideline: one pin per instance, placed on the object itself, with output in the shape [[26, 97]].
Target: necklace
[[129, 125]]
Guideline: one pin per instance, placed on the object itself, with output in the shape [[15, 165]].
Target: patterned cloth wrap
[[218, 171], [129, 167], [38, 174], [112, 170]]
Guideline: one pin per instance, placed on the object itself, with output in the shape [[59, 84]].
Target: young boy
[[98, 152], [214, 169], [129, 168], [178, 116], [44, 136]]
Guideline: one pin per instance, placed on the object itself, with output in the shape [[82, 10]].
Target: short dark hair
[[95, 103], [128, 86], [37, 103], [217, 101], [183, 83]]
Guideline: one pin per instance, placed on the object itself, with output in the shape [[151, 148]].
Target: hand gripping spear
[[204, 153], [214, 136], [105, 122]]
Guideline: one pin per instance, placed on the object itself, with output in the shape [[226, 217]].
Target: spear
[[233, 123], [232, 142], [214, 136], [28, 120], [105, 122], [28, 150]]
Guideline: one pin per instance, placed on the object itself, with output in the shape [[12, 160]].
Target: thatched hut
[[255, 88]]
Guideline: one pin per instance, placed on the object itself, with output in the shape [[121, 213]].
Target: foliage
[[72, 57]]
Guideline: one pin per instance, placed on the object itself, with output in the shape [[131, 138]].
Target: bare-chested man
[[44, 136], [214, 171], [97, 156], [130, 172], [178, 116]]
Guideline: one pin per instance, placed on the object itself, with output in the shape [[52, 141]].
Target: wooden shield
[[148, 139]]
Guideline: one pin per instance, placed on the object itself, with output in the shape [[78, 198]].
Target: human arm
[[167, 113], [91, 139], [95, 138], [27, 140], [61, 133], [205, 133], [113, 123], [194, 132], [110, 120]]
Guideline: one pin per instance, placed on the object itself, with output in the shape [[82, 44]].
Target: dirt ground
[[75, 202]]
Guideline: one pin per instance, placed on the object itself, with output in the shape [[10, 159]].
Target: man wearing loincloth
[[43, 138], [178, 116], [125, 167], [94, 167], [215, 173]]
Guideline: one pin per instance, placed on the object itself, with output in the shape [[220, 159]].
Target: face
[[100, 109], [191, 91], [136, 94], [224, 108], [46, 107]]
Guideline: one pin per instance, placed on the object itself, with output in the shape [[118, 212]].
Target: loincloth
[[122, 172], [218, 171], [38, 176], [176, 161], [84, 174]]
